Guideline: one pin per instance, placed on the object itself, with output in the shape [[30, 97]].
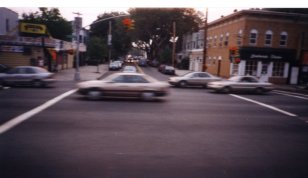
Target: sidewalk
[[86, 73]]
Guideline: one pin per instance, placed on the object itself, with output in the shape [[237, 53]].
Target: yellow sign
[[32, 28]]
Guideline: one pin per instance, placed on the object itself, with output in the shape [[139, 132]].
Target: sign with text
[[31, 28]]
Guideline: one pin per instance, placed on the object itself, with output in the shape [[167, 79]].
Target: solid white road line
[[19, 119], [265, 105], [305, 97]]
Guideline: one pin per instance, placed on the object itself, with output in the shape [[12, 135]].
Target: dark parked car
[[4, 68], [168, 70], [27, 75]]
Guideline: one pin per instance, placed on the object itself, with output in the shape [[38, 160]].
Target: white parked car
[[130, 69], [241, 84], [27, 75], [193, 79]]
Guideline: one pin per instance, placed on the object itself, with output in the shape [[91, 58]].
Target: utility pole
[[78, 25], [204, 67], [173, 43], [109, 41]]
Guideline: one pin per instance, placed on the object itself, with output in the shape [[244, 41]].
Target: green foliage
[[97, 48], [57, 26], [156, 24], [166, 56], [121, 39]]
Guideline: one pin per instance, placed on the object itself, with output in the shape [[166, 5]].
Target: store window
[[283, 38], [253, 37], [251, 67], [268, 38], [278, 69], [235, 69]]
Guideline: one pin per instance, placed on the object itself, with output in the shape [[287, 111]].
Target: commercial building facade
[[269, 45]]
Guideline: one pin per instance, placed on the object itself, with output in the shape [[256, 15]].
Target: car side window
[[204, 75], [29, 71], [138, 79], [14, 71], [119, 79]]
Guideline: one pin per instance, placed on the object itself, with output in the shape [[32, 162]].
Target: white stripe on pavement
[[265, 105], [295, 95], [19, 119]]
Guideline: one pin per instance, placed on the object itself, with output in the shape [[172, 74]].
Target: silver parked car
[[124, 85], [193, 79], [241, 83], [27, 75]]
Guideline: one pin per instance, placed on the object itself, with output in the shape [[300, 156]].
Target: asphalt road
[[194, 133]]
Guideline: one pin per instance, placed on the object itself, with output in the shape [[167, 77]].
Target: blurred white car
[[242, 84], [27, 75], [124, 85], [193, 79], [129, 69]]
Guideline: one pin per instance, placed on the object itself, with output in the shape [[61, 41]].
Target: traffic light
[[235, 55], [128, 23]]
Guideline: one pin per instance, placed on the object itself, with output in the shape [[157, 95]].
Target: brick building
[[269, 45]]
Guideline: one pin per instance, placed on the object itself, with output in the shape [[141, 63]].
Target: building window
[[7, 25], [268, 38], [283, 38], [251, 67], [215, 41], [226, 39], [239, 38], [278, 69], [253, 37], [221, 38]]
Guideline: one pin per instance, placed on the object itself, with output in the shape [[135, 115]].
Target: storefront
[[268, 64]]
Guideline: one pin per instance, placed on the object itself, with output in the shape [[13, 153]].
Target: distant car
[[27, 75], [168, 70], [241, 84], [114, 66], [193, 79], [124, 85], [129, 69]]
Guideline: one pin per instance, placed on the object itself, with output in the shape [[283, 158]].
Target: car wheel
[[94, 94], [38, 83], [226, 89], [183, 84], [147, 95], [259, 90]]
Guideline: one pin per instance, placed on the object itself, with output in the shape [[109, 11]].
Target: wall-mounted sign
[[267, 54], [13, 49], [38, 29]]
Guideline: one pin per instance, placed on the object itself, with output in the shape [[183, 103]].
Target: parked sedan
[[193, 79], [241, 83], [124, 85], [27, 75]]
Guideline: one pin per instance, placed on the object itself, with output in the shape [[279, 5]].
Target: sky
[[90, 9]]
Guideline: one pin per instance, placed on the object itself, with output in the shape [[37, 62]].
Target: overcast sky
[[90, 9]]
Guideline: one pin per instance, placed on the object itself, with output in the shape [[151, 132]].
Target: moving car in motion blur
[[124, 85], [241, 84], [27, 75], [193, 79]]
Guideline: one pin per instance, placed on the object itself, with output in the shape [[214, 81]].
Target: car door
[[13, 76], [194, 79]]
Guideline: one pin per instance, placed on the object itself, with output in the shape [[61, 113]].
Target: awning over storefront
[[267, 54]]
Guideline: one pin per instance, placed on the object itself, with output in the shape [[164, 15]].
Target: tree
[[97, 49], [121, 40], [155, 25], [58, 27]]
